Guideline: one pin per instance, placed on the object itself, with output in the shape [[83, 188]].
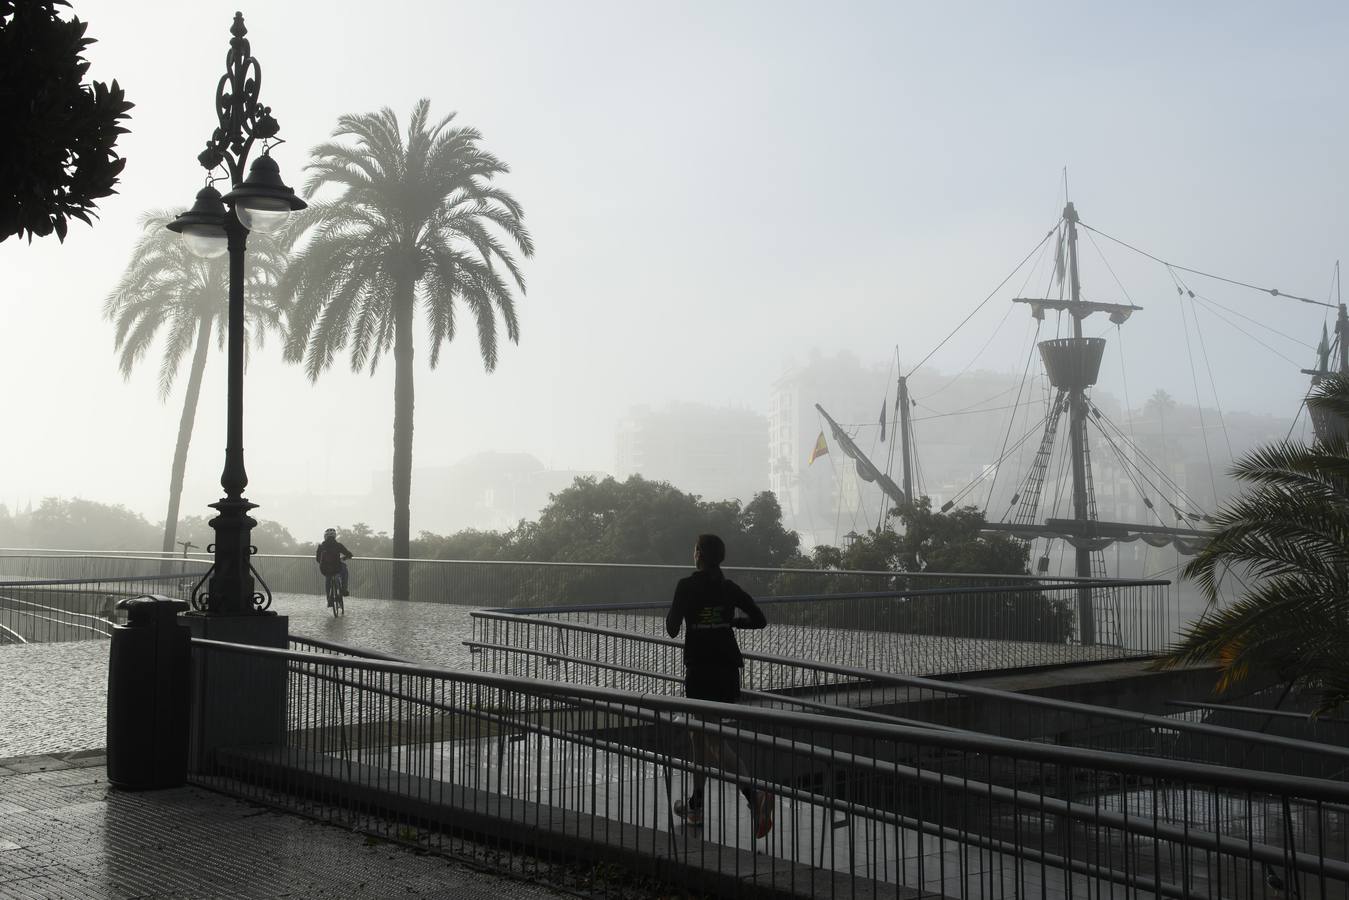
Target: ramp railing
[[575, 772], [924, 630], [591, 646], [40, 610]]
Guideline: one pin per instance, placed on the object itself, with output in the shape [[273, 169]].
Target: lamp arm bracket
[[242, 119]]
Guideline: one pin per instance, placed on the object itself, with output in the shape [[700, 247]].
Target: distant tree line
[[603, 521], [59, 524], [638, 521]]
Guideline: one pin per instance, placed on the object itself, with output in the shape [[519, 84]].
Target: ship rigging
[[1071, 365]]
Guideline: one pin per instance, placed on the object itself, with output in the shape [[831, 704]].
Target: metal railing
[[837, 689], [1261, 711], [317, 645], [860, 808], [924, 631], [39, 610], [85, 565], [471, 582], [1127, 615], [594, 646]]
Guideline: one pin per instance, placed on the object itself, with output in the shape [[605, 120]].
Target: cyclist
[[331, 556]]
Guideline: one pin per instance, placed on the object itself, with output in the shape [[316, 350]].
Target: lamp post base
[[232, 588], [238, 699]]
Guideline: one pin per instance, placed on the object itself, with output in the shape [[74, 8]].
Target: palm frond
[[179, 340], [1331, 395], [415, 217], [1289, 530], [166, 290]]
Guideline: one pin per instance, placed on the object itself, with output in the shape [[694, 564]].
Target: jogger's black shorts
[[720, 683]]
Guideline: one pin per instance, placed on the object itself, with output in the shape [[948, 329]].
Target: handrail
[[132, 555], [76, 609], [791, 699], [1075, 584], [963, 688], [54, 609], [345, 648], [167, 555], [1225, 776], [1265, 853], [1259, 711], [53, 582], [56, 621]]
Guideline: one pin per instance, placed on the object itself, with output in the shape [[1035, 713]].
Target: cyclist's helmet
[[329, 533]]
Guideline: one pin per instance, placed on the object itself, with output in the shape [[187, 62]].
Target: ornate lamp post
[[260, 203]]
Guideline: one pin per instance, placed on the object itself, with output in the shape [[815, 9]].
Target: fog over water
[[717, 190]]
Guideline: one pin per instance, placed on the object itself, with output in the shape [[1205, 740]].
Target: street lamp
[[260, 203]]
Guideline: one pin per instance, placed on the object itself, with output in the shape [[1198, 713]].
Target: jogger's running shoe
[[762, 813], [692, 815]]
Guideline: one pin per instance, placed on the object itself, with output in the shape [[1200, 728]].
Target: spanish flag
[[821, 448]]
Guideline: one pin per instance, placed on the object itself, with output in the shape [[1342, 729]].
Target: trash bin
[[149, 665]]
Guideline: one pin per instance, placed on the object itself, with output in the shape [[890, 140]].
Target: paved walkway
[[66, 833], [53, 696]]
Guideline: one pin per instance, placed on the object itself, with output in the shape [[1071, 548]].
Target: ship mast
[[1072, 365], [1077, 410], [903, 404], [1325, 425]]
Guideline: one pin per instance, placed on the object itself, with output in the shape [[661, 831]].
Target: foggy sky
[[715, 189]]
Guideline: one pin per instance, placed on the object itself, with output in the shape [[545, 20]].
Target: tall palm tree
[[1159, 404], [1290, 534], [415, 222], [166, 287]]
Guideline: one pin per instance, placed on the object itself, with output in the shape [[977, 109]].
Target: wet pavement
[[53, 697], [66, 833]]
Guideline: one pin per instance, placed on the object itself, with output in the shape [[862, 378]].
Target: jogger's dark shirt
[[705, 605]]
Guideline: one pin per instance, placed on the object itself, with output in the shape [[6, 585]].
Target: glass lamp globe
[[264, 215], [203, 226], [205, 241], [263, 202]]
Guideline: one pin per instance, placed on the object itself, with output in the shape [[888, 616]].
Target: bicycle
[[333, 588]]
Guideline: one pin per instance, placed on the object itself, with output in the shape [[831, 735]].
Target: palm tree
[[1290, 534], [1159, 404], [166, 287], [416, 223]]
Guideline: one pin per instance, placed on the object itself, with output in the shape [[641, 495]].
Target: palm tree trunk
[[402, 438], [185, 423]]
